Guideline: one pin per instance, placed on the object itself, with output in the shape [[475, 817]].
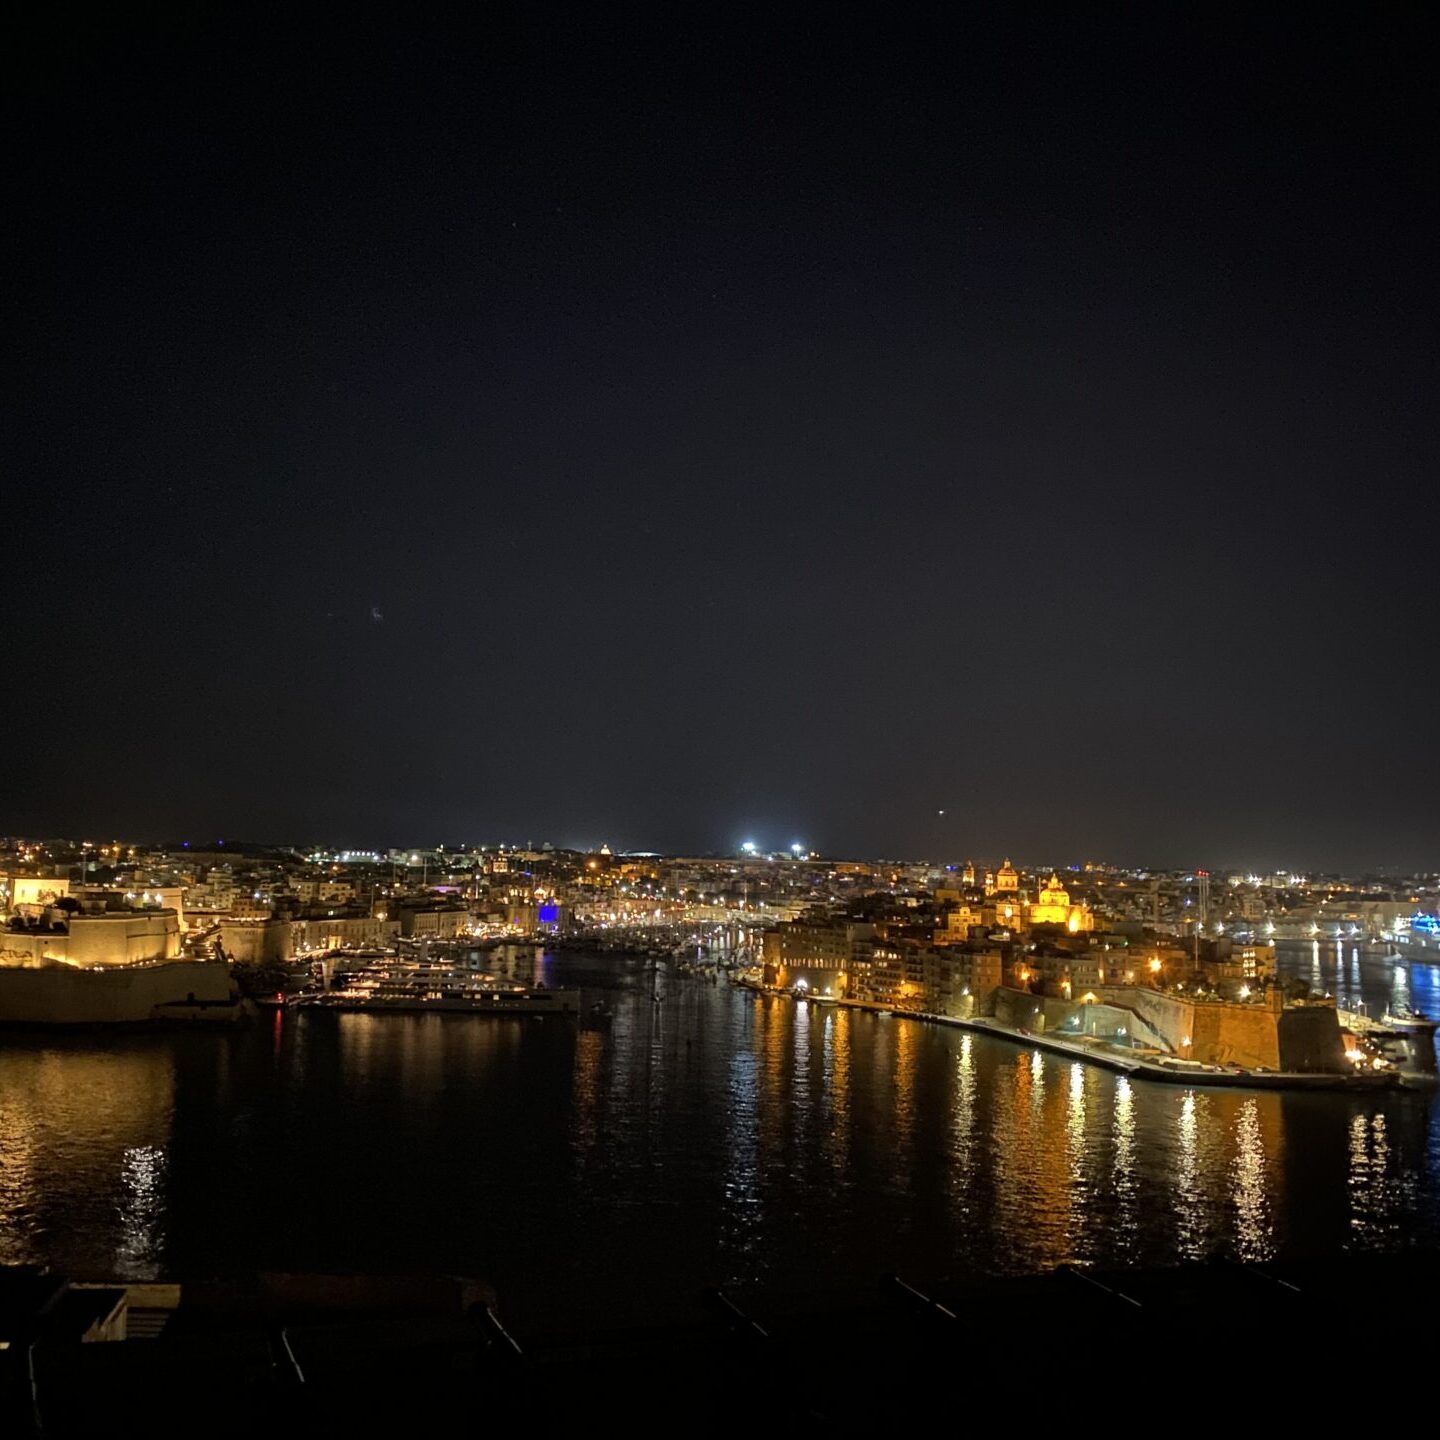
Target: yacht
[[1401, 1017], [422, 985]]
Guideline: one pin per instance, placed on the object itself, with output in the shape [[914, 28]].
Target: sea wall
[[1215, 1033], [1303, 1038], [63, 995], [1310, 1040]]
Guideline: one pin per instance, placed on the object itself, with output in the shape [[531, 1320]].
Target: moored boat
[[416, 985]]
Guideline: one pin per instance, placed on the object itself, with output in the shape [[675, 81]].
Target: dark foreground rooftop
[[355, 1355]]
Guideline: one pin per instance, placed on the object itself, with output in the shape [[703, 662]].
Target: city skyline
[[380, 850]]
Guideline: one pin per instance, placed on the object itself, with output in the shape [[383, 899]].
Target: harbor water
[[601, 1172]]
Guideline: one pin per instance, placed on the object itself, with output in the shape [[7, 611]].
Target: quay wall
[[1298, 1038], [1310, 1040], [115, 995], [1212, 1032]]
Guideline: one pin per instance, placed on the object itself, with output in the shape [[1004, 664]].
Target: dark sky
[[668, 427]]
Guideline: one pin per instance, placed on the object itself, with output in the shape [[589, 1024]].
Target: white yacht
[[396, 983]]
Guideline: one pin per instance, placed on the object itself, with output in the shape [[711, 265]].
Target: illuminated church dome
[[1052, 905]]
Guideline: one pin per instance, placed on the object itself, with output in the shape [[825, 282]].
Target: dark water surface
[[790, 1152]]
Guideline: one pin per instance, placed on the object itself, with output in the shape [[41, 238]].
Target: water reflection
[[83, 1137], [1123, 1164], [1190, 1234], [906, 1039], [1361, 977], [142, 1212], [964, 1123], [1372, 1183], [836, 1109], [589, 1055], [718, 1138], [1253, 1232], [742, 1210]]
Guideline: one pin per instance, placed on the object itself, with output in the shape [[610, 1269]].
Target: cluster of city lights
[[797, 850]]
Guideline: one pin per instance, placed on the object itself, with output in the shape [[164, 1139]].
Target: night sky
[[669, 428]]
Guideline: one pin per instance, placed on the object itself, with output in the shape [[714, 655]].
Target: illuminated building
[[36, 890], [436, 922], [1005, 912], [896, 975], [255, 942], [961, 920], [339, 932], [118, 935], [1007, 881], [961, 980], [1052, 907], [821, 952], [323, 890]]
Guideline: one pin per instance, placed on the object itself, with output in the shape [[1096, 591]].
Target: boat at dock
[[1409, 1022], [399, 984]]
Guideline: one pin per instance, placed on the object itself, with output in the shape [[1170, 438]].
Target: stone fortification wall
[[63, 995]]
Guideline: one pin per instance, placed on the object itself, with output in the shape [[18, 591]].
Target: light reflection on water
[[719, 1138], [1189, 1197], [1249, 1186], [142, 1210], [1123, 1166]]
